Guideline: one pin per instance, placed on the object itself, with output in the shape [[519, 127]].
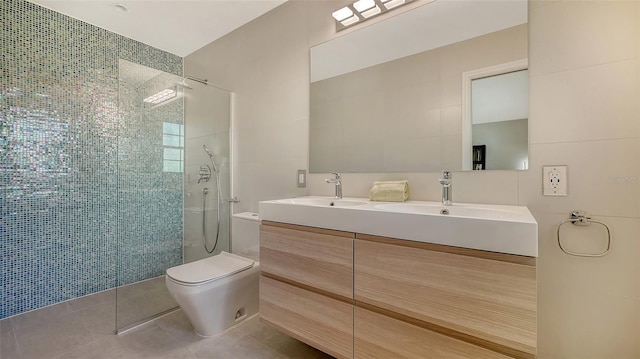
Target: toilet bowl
[[220, 291]]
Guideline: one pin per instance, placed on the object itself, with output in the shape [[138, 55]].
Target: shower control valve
[[205, 173]]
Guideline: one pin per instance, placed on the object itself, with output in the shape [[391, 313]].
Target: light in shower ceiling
[[161, 96], [362, 10]]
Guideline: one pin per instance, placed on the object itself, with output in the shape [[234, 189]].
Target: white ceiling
[[178, 27]]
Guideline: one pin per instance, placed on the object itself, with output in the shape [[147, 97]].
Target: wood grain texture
[[310, 288], [331, 232], [322, 322], [469, 339], [503, 257], [380, 337], [494, 301], [320, 260]]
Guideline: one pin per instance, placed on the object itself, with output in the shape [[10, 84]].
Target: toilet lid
[[215, 267]]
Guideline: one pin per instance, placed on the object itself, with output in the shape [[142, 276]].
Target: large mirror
[[414, 92]]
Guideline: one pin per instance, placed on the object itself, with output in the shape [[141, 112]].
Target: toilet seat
[[209, 269]]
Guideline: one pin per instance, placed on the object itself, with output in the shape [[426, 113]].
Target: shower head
[[213, 162], [206, 149]]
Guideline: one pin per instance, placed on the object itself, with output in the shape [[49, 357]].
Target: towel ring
[[581, 218]]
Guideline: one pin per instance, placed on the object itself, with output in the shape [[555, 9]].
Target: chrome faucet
[[445, 181], [338, 182]]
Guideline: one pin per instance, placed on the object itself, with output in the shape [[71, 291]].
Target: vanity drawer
[[378, 336], [313, 257], [322, 322], [484, 298]]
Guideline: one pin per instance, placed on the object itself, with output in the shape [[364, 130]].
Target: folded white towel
[[389, 191]]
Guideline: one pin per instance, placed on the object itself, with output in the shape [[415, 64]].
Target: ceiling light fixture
[[345, 16], [363, 10], [390, 4], [367, 8], [364, 5]]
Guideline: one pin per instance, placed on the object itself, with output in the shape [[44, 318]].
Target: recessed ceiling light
[[121, 7]]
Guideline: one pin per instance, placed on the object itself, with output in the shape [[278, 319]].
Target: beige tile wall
[[584, 113]]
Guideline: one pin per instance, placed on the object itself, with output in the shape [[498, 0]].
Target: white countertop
[[495, 228]]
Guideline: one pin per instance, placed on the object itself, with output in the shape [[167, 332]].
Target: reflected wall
[[403, 115]]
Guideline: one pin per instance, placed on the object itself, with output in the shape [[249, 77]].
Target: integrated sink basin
[[495, 228], [323, 202], [469, 211]]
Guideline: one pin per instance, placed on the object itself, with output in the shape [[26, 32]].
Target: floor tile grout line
[[15, 340]]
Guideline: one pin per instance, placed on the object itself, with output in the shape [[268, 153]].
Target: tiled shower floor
[[83, 328]]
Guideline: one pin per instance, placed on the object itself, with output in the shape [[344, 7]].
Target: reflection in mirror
[[499, 111], [399, 109]]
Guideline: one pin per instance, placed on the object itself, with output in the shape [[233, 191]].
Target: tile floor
[[83, 328]]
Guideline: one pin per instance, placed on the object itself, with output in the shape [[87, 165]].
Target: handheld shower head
[[206, 149], [213, 162]]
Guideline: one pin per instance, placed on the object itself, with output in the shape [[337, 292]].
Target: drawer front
[[320, 258], [322, 322], [488, 300], [379, 336]]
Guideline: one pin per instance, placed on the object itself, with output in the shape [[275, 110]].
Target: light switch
[[302, 178]]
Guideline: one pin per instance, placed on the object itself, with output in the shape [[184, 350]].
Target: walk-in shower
[[184, 117], [207, 165], [97, 185], [150, 178]]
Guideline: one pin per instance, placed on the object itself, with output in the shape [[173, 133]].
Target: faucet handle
[[446, 174], [336, 174]]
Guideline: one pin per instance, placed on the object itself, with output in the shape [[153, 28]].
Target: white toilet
[[220, 291]]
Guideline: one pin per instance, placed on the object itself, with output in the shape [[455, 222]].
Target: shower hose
[[205, 191]]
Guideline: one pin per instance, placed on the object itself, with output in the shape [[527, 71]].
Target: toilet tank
[[245, 235]]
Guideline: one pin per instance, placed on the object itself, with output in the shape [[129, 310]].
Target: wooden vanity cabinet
[[319, 258], [482, 298], [361, 296], [323, 322], [306, 286], [379, 336]]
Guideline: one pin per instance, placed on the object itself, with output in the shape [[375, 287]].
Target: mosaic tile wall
[[84, 203]]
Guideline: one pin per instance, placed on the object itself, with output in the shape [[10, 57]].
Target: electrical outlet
[[554, 180]]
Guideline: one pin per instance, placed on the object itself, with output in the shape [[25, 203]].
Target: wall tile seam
[[200, 137], [579, 141], [594, 215], [533, 73]]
